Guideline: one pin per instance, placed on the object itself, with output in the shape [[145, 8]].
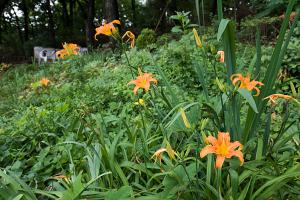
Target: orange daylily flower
[[131, 38], [291, 18], [68, 49], [142, 81], [272, 98], [223, 148], [107, 28], [44, 82], [222, 56], [246, 83]]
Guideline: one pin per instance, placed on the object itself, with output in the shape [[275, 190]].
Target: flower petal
[[207, 150], [116, 22], [240, 156], [257, 91], [223, 137], [234, 145], [219, 161], [212, 140], [132, 82], [135, 89]]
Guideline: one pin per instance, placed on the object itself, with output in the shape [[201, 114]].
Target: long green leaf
[[247, 95], [253, 119], [227, 32]]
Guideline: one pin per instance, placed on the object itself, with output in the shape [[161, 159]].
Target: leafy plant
[[146, 37], [183, 19]]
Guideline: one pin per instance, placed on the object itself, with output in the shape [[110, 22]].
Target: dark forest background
[[48, 23]]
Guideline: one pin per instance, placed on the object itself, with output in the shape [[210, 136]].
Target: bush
[[146, 38]]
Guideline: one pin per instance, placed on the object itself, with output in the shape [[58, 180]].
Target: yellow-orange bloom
[[246, 83], [69, 49], [107, 28], [197, 38], [222, 56], [44, 82], [140, 102], [158, 153], [184, 118], [142, 81], [272, 98], [223, 148], [131, 38]]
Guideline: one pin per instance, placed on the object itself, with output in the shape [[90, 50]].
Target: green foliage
[[182, 18], [85, 137], [146, 37]]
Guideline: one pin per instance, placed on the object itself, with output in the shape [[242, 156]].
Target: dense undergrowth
[[86, 135]]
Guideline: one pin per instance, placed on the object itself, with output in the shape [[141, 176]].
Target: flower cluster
[[68, 49], [245, 83], [109, 29]]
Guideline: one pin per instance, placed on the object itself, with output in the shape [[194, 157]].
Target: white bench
[[46, 54]]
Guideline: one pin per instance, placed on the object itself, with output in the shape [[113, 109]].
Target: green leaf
[[124, 193], [226, 30], [234, 183], [222, 28], [259, 150], [243, 194], [249, 98], [272, 186]]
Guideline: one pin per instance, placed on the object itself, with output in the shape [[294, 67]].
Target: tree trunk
[[111, 11], [133, 11], [161, 6], [51, 23], [26, 20], [71, 15], [89, 25], [64, 12], [18, 26]]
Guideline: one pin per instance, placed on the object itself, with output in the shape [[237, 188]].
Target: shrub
[[146, 38]]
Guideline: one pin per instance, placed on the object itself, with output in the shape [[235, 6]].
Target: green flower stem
[[118, 38], [222, 103], [219, 182]]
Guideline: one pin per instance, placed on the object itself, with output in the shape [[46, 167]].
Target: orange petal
[[234, 81], [219, 161], [240, 156], [207, 150], [212, 140], [135, 90], [223, 137], [153, 80], [132, 82], [233, 76], [147, 86], [116, 22], [234, 145], [257, 91]]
